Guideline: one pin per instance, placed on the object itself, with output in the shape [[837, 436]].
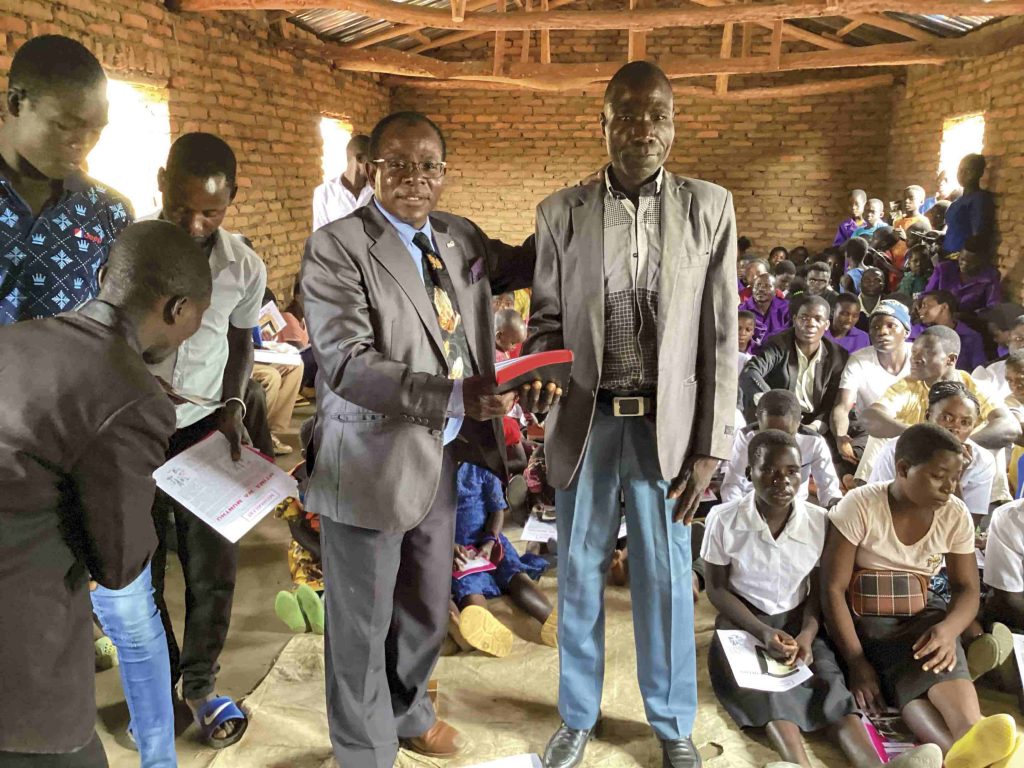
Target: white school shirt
[[1004, 552], [239, 281], [815, 461], [771, 574], [976, 482], [333, 201], [994, 377], [864, 375]]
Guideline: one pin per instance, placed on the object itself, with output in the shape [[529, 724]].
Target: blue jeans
[[130, 619], [622, 453]]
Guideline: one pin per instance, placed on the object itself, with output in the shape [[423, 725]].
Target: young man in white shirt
[[779, 409], [337, 198]]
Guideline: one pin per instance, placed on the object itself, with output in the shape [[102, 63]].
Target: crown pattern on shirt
[[83, 245], [61, 300], [15, 256], [38, 279], [78, 283], [61, 259], [9, 217], [80, 209], [38, 239]]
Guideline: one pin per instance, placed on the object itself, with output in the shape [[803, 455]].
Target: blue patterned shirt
[[49, 263]]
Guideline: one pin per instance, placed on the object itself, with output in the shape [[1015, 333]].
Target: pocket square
[[476, 270]]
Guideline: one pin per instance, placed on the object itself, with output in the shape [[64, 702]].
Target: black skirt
[[889, 645], [819, 702]]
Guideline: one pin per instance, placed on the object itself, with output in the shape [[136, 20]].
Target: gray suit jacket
[[383, 386], [697, 375]]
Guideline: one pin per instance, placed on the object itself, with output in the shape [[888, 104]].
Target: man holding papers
[[83, 427], [636, 275], [398, 305]]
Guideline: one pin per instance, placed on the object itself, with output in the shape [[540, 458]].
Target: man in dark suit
[[83, 427], [636, 274], [800, 360], [398, 305]]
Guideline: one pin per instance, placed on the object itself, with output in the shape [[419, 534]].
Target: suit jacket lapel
[[471, 304], [675, 217], [585, 260], [390, 251]]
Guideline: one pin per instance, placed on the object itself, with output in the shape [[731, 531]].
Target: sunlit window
[[961, 136], [134, 144], [336, 134]]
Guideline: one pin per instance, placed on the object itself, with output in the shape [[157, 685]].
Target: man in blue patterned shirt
[[56, 223]]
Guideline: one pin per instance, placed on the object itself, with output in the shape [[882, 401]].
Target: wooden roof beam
[[646, 18], [791, 31], [401, 30], [882, 21], [458, 37]]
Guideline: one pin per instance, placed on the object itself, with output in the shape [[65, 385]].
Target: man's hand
[[539, 398], [691, 482], [229, 423], [482, 402], [845, 446]]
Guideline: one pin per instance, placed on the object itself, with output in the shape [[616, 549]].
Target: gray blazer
[[383, 386], [697, 357]]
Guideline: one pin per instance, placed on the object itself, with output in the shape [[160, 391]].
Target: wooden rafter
[[545, 36], [637, 38], [401, 30], [645, 18], [499, 43], [458, 11], [524, 55], [596, 89], [570, 76], [848, 28], [722, 81], [458, 37], [775, 57], [747, 44], [882, 21], [790, 31]]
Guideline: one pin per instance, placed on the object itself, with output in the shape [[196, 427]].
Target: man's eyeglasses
[[428, 169]]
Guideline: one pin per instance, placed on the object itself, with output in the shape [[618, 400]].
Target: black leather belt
[[625, 404]]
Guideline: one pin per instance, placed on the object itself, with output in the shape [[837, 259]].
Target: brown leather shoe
[[440, 741]]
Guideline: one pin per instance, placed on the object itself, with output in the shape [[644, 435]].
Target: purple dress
[[845, 231], [766, 324], [976, 293], [480, 495]]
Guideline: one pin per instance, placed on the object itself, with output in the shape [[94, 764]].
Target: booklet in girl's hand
[[476, 564]]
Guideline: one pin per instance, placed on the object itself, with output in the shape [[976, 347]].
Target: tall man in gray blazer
[[398, 304], [636, 274]]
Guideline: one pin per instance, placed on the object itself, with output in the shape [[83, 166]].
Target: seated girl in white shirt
[[902, 644], [761, 557]]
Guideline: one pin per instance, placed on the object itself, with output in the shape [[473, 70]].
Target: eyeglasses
[[429, 169]]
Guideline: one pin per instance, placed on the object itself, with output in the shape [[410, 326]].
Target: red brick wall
[[992, 85], [226, 73], [788, 163]]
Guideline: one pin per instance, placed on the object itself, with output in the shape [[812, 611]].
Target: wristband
[[486, 539], [237, 400]]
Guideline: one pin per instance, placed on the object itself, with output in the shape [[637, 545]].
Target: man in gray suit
[[636, 274], [398, 304]]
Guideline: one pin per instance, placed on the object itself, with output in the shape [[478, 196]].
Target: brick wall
[[992, 85], [226, 73], [788, 163]]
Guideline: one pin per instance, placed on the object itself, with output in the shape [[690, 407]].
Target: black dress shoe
[[679, 753], [566, 747]]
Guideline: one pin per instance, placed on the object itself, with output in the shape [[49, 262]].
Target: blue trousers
[[131, 620], [622, 455]]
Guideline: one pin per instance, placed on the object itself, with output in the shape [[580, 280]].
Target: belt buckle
[[628, 406]]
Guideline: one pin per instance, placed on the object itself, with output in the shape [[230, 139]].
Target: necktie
[[441, 294]]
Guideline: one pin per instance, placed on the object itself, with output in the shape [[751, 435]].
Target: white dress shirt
[[333, 201], [976, 481], [1004, 552], [815, 461], [239, 281], [771, 574]]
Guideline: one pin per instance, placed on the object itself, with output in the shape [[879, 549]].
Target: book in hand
[[554, 365], [475, 564]]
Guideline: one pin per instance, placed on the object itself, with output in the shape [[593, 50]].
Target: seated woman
[[972, 278], [900, 643], [761, 558], [479, 518]]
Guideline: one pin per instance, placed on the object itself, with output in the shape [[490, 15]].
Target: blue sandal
[[213, 714]]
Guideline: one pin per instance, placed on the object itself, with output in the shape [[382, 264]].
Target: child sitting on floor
[[761, 557], [479, 518], [901, 644]]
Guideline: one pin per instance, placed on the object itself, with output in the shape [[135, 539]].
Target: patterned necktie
[[441, 293]]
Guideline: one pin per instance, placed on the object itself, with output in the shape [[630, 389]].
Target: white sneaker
[[924, 756], [281, 449]]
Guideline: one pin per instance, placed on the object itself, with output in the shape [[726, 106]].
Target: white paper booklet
[[229, 496], [515, 761], [754, 668], [539, 530]]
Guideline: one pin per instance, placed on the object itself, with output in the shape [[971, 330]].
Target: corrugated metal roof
[[347, 27]]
